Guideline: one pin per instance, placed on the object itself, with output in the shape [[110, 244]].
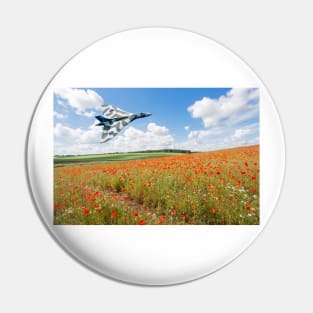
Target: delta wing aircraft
[[114, 119]]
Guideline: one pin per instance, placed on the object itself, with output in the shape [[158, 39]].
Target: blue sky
[[198, 119]]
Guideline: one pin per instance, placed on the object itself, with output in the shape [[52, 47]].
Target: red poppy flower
[[86, 211], [248, 207], [113, 214], [213, 210], [162, 218], [142, 222]]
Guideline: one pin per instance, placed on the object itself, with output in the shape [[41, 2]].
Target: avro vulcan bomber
[[114, 119]]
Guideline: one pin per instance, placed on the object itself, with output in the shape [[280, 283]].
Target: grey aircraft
[[114, 119]]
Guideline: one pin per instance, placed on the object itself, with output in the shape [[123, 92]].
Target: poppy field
[[216, 188]]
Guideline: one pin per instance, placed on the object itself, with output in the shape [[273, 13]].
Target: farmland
[[216, 188], [112, 157]]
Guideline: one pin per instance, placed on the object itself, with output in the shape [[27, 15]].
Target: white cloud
[[82, 101], [238, 105], [204, 134], [78, 141], [155, 137], [59, 115], [203, 140], [90, 114], [157, 130], [217, 138], [77, 135], [243, 136], [241, 133], [221, 118]]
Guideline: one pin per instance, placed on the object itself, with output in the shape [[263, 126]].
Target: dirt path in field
[[124, 199], [131, 204]]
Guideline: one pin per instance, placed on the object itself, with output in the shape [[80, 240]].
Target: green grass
[[111, 157], [216, 188]]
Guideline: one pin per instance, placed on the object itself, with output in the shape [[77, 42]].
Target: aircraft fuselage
[[104, 121]]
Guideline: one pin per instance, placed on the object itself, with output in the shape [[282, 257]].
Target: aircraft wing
[[100, 118], [111, 111], [114, 129]]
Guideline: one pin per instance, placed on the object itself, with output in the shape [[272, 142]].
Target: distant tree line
[[143, 151]]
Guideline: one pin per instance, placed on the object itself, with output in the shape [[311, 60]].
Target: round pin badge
[[155, 156]]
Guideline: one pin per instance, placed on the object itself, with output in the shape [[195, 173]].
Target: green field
[[111, 157], [217, 188]]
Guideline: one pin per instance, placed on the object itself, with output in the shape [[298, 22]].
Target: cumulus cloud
[[77, 135], [204, 134], [58, 115], [226, 123], [82, 101], [241, 133], [220, 137], [157, 130], [155, 137], [243, 136], [237, 105], [79, 141]]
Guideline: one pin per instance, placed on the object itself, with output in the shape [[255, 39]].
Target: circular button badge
[[155, 156]]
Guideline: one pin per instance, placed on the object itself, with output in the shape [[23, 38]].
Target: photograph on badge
[[156, 156]]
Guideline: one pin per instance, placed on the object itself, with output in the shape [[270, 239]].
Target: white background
[[275, 273]]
